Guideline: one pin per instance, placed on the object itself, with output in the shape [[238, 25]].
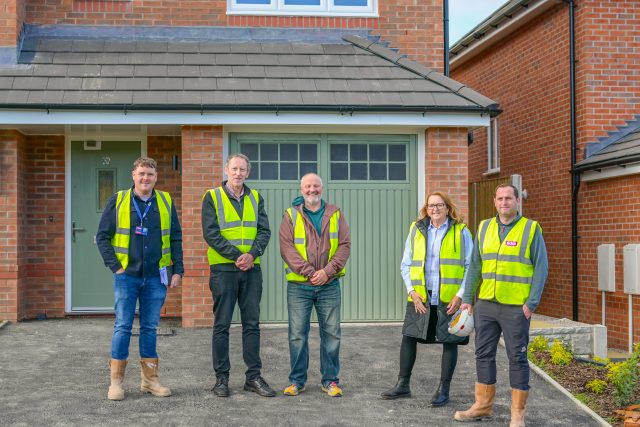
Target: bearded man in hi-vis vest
[[140, 240], [510, 266], [236, 228], [315, 245]]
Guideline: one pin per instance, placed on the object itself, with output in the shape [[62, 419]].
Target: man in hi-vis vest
[[315, 246], [140, 240], [509, 263], [236, 228]]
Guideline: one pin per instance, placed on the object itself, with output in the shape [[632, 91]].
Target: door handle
[[74, 229]]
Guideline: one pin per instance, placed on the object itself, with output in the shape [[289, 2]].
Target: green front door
[[372, 178], [98, 170]]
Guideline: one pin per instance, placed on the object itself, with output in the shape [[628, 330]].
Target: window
[[368, 162], [493, 147], [280, 161], [304, 7]]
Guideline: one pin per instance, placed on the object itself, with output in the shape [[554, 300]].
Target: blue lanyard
[[146, 211]]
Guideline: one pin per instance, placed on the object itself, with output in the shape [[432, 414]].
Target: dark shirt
[[144, 251], [213, 237]]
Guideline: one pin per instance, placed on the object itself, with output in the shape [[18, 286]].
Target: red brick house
[[521, 57], [351, 89]]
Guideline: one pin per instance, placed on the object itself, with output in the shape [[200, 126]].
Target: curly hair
[[453, 209]]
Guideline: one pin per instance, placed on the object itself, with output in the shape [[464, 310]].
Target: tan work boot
[[150, 381], [518, 402], [482, 407], [116, 391]]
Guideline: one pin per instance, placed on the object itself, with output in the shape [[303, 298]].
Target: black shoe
[[441, 396], [400, 390], [221, 388], [260, 386]]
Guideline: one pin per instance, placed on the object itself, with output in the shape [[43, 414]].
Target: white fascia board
[[26, 117], [610, 172], [502, 32]]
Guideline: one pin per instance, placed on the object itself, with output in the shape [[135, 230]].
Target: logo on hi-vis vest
[[511, 243]]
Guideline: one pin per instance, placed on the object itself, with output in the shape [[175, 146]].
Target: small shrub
[[604, 361], [559, 354], [539, 343], [596, 386], [625, 376], [584, 398]]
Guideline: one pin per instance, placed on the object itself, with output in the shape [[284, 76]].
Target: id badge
[[164, 277], [142, 231]]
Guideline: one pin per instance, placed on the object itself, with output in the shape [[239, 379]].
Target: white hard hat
[[461, 324]]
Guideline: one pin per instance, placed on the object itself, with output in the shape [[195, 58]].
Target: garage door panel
[[377, 211]]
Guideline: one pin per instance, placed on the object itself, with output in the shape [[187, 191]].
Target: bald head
[[311, 189]]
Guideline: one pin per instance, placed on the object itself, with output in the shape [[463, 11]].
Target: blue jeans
[[128, 290], [300, 300]]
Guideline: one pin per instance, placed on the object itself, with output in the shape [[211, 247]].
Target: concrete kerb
[[567, 393], [3, 323]]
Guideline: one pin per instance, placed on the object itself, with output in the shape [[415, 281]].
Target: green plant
[[625, 376], [604, 361], [559, 354], [539, 343], [596, 386], [584, 398]]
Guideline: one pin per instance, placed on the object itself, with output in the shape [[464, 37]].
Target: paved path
[[54, 373]]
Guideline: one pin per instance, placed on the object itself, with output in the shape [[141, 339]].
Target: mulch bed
[[574, 376]]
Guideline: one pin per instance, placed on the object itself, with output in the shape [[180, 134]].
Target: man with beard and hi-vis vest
[[509, 264], [236, 228]]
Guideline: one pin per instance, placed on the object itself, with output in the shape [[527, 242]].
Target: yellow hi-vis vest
[[120, 240], [452, 257], [507, 270], [300, 242], [240, 232]]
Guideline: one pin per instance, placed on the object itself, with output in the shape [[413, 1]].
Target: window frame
[[326, 8], [493, 147]]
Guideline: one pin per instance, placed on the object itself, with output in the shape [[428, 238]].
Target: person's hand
[[417, 302], [319, 278], [468, 307], [526, 311], [454, 305], [120, 270], [245, 262], [176, 280]]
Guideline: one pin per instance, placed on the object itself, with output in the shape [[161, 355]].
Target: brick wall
[[201, 170], [10, 200], [12, 16], [528, 74], [43, 234], [162, 149], [414, 26], [609, 213], [446, 164]]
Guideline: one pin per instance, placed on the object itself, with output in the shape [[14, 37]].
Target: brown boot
[[150, 381], [116, 392], [482, 407], [518, 402]]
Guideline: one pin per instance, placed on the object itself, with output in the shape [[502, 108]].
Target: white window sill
[[302, 13], [491, 172]]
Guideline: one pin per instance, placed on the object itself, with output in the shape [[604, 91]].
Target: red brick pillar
[[12, 16], [11, 218], [201, 170], [446, 165]]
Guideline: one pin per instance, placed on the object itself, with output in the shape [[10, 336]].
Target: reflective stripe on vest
[[240, 232], [507, 270], [452, 257], [300, 242], [121, 239]]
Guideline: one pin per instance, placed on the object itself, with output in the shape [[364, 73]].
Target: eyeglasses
[[437, 205]]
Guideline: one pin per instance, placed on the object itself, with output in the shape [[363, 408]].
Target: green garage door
[[373, 178]]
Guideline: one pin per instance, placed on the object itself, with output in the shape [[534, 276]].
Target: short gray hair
[[239, 156], [311, 173]]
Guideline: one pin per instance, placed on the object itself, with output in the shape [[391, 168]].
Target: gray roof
[[619, 148], [141, 73]]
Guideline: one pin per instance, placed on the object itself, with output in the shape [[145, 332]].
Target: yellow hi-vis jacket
[[507, 271], [300, 242], [240, 232], [452, 257], [121, 239]]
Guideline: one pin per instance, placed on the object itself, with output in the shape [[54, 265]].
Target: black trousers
[[245, 288]]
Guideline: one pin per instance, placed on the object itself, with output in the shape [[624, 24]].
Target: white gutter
[[500, 33], [25, 117]]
